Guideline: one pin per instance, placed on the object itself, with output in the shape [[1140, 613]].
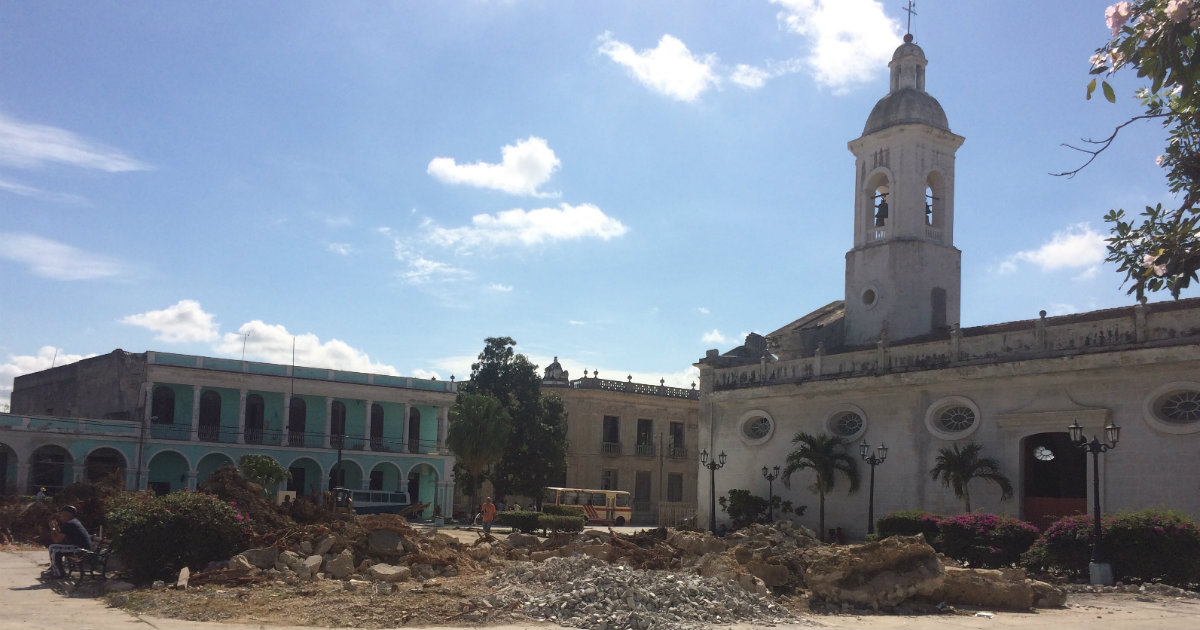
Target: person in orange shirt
[[488, 512]]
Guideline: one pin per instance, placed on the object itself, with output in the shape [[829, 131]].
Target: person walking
[[488, 514]]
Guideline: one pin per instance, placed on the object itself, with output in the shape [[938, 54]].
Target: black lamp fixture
[[717, 463], [873, 459], [1099, 569], [770, 477]]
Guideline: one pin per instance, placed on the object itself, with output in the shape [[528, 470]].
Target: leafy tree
[[535, 454], [957, 467], [826, 456], [478, 432], [263, 470], [1157, 40], [745, 508]]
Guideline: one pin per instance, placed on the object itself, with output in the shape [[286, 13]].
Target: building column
[[367, 430], [23, 470], [328, 419], [443, 428], [77, 472], [191, 480], [287, 419], [195, 413], [241, 431], [404, 430]]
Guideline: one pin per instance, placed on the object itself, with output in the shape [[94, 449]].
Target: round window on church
[[1174, 408], [952, 418], [756, 427], [847, 422], [869, 297]]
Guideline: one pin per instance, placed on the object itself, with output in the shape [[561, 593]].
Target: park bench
[[88, 564]]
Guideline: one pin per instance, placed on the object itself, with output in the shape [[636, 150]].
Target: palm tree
[[478, 431], [825, 455], [957, 467]]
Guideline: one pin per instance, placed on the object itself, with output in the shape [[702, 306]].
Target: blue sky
[[620, 184]]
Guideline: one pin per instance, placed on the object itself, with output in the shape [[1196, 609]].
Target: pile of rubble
[[653, 579], [586, 592]]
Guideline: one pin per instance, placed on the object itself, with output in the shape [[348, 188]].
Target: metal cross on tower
[[911, 12]]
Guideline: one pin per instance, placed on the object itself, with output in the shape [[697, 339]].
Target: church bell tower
[[903, 274]]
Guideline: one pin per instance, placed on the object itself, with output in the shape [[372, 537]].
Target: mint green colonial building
[[168, 421]]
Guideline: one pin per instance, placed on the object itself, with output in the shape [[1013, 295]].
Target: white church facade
[[890, 364]]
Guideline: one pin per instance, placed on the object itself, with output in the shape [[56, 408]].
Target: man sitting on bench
[[69, 536]]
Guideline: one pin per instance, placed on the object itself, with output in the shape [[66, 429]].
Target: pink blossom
[[1116, 16], [1148, 263], [1158, 160], [1178, 10]]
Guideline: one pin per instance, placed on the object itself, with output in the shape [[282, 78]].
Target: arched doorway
[[51, 469], [210, 416], [297, 421], [422, 487], [377, 427], [1054, 479], [386, 477], [348, 474], [8, 469], [306, 477], [168, 472], [255, 417], [414, 430], [209, 464], [102, 463]]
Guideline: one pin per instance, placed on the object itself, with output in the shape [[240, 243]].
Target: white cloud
[[519, 227], [703, 310], [502, 288], [47, 356], [669, 68], [714, 336], [1079, 246], [576, 322], [274, 344], [522, 169], [422, 270], [851, 40], [337, 221], [54, 260], [37, 193], [29, 145], [341, 249], [749, 76], [183, 322]]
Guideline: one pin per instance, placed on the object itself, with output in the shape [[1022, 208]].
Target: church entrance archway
[[1055, 478], [104, 462]]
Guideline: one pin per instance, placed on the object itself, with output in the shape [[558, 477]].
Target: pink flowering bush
[[1141, 546], [985, 540]]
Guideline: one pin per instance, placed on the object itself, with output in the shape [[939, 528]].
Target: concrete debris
[[585, 592]]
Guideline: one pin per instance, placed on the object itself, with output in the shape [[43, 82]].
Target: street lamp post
[[873, 458], [770, 477], [1099, 569], [713, 466]]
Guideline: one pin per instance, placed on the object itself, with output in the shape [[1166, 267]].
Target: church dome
[[907, 101], [906, 106]]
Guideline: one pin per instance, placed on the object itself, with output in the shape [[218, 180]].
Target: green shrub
[[909, 523], [563, 510], [158, 536], [1154, 545], [745, 508], [570, 524], [247, 497], [985, 540], [1065, 547], [523, 520], [1141, 546]]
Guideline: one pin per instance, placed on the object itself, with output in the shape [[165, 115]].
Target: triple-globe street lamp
[[1100, 571], [713, 466], [873, 459]]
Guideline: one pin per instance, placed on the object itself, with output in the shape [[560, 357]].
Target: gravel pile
[[584, 592]]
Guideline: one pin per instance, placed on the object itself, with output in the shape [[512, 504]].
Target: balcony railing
[[645, 449], [677, 452], [610, 448]]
